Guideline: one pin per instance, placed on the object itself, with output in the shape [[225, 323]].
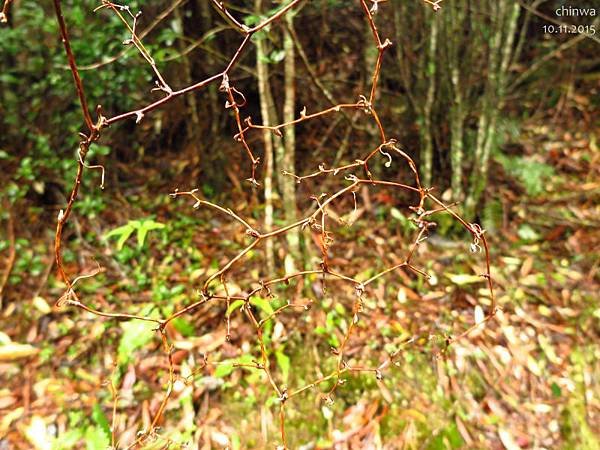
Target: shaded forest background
[[499, 116]]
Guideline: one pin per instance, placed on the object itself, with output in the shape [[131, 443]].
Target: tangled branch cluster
[[215, 288]]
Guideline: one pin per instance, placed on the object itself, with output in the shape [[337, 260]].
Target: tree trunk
[[425, 130], [288, 184], [455, 22], [263, 89], [501, 51]]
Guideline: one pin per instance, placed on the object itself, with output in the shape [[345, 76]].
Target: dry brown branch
[[216, 287]]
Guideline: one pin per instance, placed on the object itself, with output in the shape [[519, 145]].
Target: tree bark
[[425, 130], [288, 184], [263, 89], [455, 22]]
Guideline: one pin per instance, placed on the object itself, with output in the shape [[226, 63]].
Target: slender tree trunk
[[370, 54], [263, 89], [426, 130], [288, 184], [455, 21]]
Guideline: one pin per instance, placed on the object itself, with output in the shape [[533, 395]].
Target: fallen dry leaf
[[507, 440], [13, 351]]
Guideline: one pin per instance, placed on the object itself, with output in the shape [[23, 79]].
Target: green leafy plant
[[140, 227], [135, 335], [406, 225], [532, 174]]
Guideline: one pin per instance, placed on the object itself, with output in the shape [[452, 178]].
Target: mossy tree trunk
[[286, 160], [454, 23], [426, 109], [506, 13], [264, 91]]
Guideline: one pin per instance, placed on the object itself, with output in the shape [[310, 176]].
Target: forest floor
[[529, 378]]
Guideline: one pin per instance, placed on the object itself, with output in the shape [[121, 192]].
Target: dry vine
[[215, 287]]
